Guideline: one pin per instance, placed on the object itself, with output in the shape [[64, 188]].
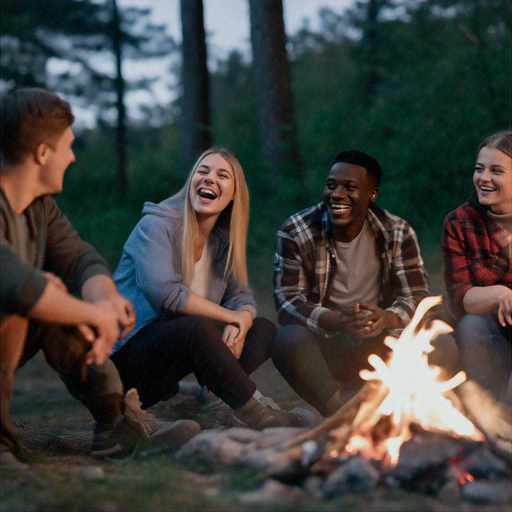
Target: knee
[[264, 331], [203, 330], [65, 349], [473, 330]]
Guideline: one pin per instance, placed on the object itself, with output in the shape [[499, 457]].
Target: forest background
[[415, 83]]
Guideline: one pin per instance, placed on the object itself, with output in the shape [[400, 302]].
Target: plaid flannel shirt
[[305, 266], [476, 252]]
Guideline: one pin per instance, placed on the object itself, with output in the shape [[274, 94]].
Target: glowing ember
[[414, 394]]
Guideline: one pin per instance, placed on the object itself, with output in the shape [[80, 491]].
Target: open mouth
[[206, 193], [487, 189], [339, 209]]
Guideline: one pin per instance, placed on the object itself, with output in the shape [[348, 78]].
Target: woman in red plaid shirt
[[477, 244]]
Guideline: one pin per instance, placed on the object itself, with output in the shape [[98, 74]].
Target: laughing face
[[212, 186], [349, 190], [493, 180]]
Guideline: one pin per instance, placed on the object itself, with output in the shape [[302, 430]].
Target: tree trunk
[[121, 110], [272, 81], [372, 78], [196, 135]]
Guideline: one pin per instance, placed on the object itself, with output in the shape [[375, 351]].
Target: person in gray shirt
[[44, 264]]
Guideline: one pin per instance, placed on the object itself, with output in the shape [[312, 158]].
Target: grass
[[159, 483]]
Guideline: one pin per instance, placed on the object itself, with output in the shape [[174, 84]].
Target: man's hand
[[125, 314], [57, 281], [104, 326], [101, 334], [102, 292], [368, 320]]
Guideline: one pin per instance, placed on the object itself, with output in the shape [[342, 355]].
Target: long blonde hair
[[234, 219]]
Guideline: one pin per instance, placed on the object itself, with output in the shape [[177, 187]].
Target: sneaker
[[163, 435], [266, 400], [217, 409], [258, 416], [117, 438]]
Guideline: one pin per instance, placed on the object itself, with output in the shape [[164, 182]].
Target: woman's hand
[[229, 336], [243, 321], [505, 307], [234, 332]]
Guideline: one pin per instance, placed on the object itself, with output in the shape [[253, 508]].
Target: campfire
[[409, 422], [411, 426], [410, 393]]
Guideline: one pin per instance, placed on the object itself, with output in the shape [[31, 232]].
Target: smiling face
[[349, 190], [493, 180], [212, 186]]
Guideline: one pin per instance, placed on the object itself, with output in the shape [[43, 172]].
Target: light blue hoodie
[[149, 271]]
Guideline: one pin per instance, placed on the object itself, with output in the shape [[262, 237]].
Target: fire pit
[[406, 428]]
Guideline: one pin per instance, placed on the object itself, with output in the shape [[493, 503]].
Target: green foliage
[[443, 84]]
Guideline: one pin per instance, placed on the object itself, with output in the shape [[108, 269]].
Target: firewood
[[345, 415], [493, 418]]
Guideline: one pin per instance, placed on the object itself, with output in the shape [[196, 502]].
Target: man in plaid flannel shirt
[[346, 274]]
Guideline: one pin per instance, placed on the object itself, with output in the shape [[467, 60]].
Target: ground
[[59, 481]]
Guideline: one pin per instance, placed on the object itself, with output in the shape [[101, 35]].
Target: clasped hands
[[112, 318], [234, 332], [363, 320]]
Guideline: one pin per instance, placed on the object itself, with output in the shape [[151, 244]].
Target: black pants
[[157, 357]]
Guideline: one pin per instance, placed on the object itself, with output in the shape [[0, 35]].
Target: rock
[[241, 448], [483, 463], [313, 487], [487, 492], [356, 476], [450, 492], [92, 473]]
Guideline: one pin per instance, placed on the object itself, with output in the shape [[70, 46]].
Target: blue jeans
[[317, 367], [485, 353]]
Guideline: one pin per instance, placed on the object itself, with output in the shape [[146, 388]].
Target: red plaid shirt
[[305, 266], [476, 252]]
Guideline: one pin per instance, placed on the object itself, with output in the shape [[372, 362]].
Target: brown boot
[[163, 435], [258, 416]]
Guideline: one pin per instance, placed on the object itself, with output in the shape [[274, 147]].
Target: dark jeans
[[317, 367], [157, 357], [99, 388], [485, 352]]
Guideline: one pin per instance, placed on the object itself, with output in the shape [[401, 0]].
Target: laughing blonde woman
[[184, 269]]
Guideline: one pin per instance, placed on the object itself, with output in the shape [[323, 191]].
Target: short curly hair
[[356, 157]]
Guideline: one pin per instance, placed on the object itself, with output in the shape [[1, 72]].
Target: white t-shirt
[[202, 271], [357, 277]]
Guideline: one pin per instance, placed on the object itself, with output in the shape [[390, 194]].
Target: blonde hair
[[234, 219]]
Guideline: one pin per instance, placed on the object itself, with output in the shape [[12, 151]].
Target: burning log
[[491, 417], [405, 427]]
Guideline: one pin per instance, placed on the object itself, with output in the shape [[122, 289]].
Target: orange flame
[[415, 395]]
